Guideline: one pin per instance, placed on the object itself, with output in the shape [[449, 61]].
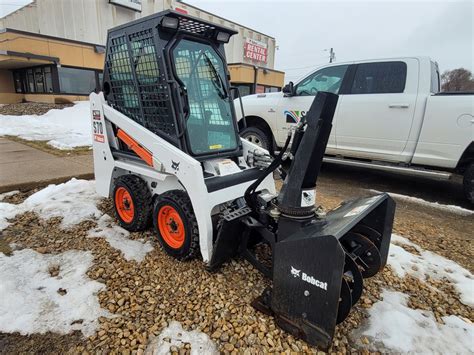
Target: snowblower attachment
[[318, 262]]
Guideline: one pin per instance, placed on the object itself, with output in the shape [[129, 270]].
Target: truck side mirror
[[289, 89]]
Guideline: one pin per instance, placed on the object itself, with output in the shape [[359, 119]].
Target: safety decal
[[97, 126]]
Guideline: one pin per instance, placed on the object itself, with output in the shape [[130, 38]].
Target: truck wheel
[[176, 225], [132, 202], [257, 136], [468, 183]]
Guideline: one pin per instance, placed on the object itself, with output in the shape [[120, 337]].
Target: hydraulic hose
[[249, 193]]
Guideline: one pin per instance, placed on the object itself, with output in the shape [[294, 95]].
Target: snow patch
[[8, 211], [7, 194], [448, 208], [74, 200], [117, 237], [430, 264], [175, 335], [402, 329], [30, 301], [63, 129]]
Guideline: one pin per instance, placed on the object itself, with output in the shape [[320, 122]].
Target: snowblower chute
[[167, 150]]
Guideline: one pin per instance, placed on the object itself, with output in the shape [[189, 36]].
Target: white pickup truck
[[390, 116]]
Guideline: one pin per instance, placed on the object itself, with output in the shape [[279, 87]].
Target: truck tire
[[468, 183], [176, 225], [257, 136], [132, 202]]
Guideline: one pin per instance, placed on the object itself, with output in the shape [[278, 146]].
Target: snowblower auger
[[167, 150]]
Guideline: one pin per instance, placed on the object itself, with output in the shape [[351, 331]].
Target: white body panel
[[189, 176], [411, 127]]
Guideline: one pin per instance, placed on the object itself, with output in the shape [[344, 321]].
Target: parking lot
[[142, 290]]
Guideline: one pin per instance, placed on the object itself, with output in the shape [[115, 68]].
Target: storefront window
[[17, 79], [48, 80], [76, 81], [31, 81], [271, 89], [43, 79], [39, 80]]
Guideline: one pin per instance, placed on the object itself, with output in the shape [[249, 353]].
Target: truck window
[[326, 79], [379, 78], [435, 87]]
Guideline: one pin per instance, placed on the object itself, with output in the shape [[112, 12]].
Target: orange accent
[[132, 144], [171, 226], [124, 204]]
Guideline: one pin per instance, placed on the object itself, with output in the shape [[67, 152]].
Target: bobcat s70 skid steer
[[167, 150]]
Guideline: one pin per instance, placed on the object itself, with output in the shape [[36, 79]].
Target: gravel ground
[[146, 296], [30, 108]]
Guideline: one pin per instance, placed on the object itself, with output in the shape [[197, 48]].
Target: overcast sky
[[443, 30]]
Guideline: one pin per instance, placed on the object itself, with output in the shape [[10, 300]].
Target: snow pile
[[430, 264], [175, 335], [74, 200], [402, 329], [33, 300], [117, 237], [63, 129], [448, 208]]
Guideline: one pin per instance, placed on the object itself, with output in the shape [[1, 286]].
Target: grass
[[45, 147]]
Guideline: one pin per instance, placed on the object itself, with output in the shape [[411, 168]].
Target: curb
[[25, 186]]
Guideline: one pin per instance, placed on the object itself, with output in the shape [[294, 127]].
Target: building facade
[[53, 50]]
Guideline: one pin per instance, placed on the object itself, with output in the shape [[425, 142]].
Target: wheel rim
[[171, 226], [254, 139], [124, 205]]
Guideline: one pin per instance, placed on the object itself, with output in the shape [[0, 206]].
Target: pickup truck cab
[[390, 116]]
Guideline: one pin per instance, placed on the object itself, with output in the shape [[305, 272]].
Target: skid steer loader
[[167, 150]]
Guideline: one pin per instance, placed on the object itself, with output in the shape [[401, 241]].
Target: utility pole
[[332, 55]]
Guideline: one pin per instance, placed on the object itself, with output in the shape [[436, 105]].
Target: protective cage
[[142, 81]]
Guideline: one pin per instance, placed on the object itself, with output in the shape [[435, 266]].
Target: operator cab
[[190, 104]]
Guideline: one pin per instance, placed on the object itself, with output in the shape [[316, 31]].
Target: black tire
[[258, 136], [468, 183], [180, 202], [140, 213]]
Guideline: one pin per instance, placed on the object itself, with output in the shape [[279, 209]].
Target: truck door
[[375, 116], [291, 108]]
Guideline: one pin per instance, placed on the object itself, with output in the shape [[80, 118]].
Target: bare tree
[[457, 80]]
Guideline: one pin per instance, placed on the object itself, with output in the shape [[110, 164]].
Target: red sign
[[255, 50]]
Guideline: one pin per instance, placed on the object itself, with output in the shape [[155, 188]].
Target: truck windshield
[[209, 123]]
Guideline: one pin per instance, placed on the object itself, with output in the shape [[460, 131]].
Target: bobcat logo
[[175, 165], [295, 272]]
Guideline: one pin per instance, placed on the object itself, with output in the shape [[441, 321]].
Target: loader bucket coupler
[[319, 265]]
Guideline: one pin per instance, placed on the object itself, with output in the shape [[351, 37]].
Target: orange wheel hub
[[171, 226], [124, 204]]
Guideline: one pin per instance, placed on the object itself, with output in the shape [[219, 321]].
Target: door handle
[[398, 105]]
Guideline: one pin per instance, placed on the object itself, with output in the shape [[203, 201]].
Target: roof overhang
[[15, 60]]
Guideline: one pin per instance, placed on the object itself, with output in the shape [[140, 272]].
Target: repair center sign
[[255, 50]]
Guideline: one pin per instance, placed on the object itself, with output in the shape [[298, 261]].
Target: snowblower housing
[[182, 107]]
